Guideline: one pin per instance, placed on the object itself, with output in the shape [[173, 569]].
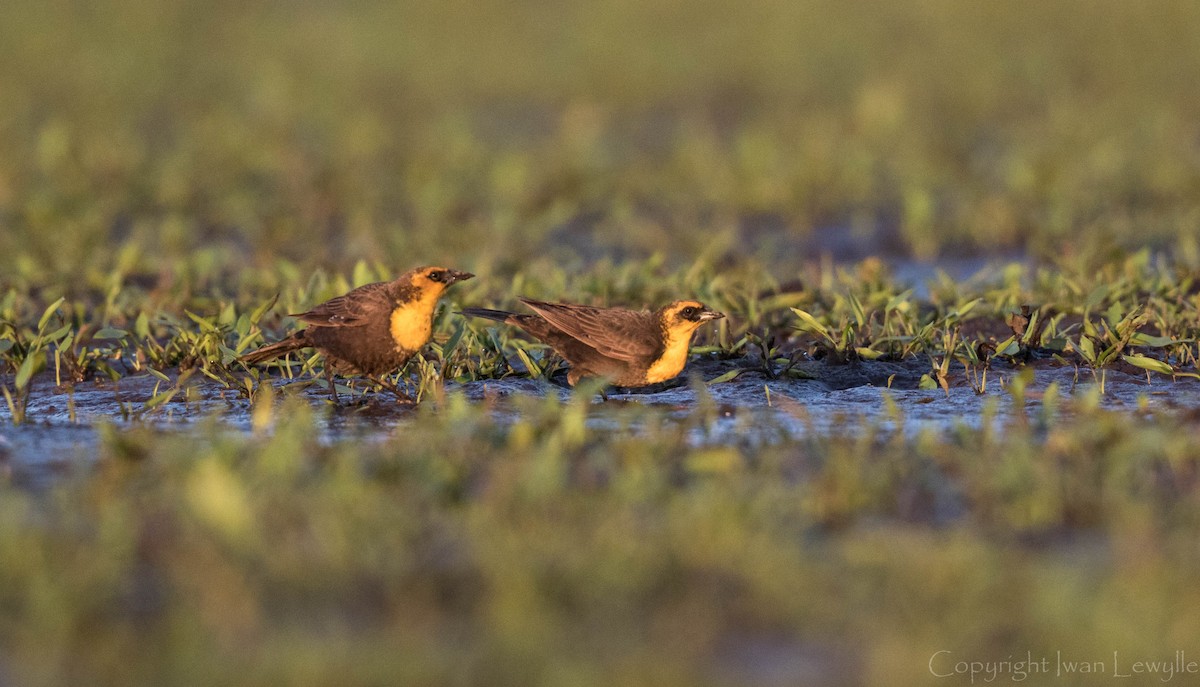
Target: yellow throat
[[674, 357], [412, 322]]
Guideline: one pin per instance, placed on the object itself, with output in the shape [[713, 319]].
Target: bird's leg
[[767, 344], [553, 362], [332, 386], [378, 379], [391, 387]]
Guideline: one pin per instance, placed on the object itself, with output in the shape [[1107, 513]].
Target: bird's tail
[[279, 348], [497, 315]]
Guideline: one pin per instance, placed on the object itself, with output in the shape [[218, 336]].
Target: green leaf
[[228, 314], [810, 324], [1107, 355], [58, 333], [856, 307], [206, 325], [1147, 341], [965, 308], [262, 309], [494, 338], [1087, 348], [49, 313], [228, 355], [867, 353], [14, 409], [1115, 313], [1147, 363], [1089, 328], [142, 326], [532, 367], [27, 368], [5, 345], [452, 342], [1032, 327], [159, 399], [727, 377], [898, 300], [156, 373], [110, 333], [1008, 347]]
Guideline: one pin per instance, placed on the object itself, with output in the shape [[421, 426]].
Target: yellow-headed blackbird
[[372, 330], [627, 347]]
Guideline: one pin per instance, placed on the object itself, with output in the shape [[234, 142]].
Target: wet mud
[[754, 408]]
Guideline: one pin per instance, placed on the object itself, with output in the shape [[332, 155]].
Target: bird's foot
[[402, 397]]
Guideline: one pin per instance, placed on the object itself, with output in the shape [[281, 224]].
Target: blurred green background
[[487, 132], [158, 156]]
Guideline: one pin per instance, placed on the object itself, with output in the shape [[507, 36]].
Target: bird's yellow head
[[679, 321], [683, 317], [416, 296], [433, 280]]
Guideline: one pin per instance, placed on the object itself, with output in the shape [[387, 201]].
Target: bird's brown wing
[[614, 332], [350, 310]]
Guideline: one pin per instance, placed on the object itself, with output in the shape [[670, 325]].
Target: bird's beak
[[456, 276], [706, 315]]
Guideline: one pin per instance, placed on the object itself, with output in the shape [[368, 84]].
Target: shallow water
[[753, 409]]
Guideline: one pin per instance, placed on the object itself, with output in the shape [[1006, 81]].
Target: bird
[[372, 330], [629, 348]]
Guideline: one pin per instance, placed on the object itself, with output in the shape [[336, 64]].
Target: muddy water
[[750, 410], [753, 408]]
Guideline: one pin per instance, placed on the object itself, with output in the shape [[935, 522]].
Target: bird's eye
[[436, 276], [689, 311]]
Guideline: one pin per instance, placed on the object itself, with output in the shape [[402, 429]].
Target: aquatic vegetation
[[1131, 313], [952, 407], [459, 549]]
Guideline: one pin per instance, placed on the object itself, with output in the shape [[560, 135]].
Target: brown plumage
[[628, 347], [372, 330]]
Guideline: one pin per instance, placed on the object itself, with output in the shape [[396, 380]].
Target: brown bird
[[627, 347], [372, 330]]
